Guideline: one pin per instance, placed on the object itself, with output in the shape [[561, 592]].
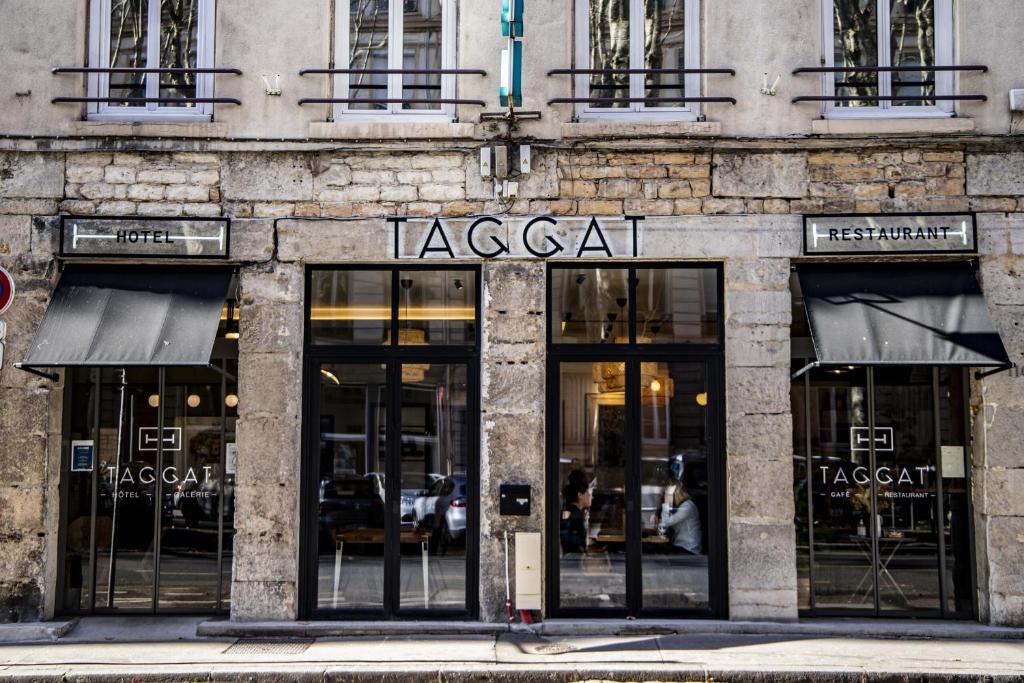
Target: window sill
[[901, 126], [183, 129], [640, 129], [391, 130]]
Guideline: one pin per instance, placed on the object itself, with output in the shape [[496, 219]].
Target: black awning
[[899, 314], [130, 316]]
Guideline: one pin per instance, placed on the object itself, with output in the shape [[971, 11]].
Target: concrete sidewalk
[[105, 649]]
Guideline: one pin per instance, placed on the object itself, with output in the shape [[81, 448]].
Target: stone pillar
[[512, 450], [265, 579], [998, 446], [759, 443], [24, 421]]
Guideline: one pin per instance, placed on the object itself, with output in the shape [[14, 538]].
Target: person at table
[[679, 514], [573, 528]]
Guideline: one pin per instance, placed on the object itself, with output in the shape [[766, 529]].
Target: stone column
[[24, 421], [265, 579], [762, 551], [998, 445], [512, 450]]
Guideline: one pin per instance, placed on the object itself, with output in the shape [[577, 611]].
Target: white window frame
[[944, 80], [99, 55], [636, 110], [394, 111]]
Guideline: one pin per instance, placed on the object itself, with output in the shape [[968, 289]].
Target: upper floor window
[[903, 38], [394, 50], [134, 37], [634, 51]]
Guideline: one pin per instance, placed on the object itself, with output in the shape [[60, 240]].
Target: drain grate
[[553, 649], [269, 646]]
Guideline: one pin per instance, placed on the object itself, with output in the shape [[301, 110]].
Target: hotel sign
[[129, 237], [839, 235]]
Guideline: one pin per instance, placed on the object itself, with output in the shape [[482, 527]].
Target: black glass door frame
[[393, 357], [712, 357], [220, 366], [873, 531]]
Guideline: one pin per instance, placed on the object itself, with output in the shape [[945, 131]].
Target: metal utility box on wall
[[528, 570], [514, 499]]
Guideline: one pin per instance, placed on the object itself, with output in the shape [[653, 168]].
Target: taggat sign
[[533, 237], [839, 235], [179, 238]]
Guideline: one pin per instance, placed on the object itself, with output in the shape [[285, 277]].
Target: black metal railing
[[641, 72], [920, 97], [142, 70], [383, 86]]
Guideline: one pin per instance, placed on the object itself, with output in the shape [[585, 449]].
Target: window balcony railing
[[642, 72], [144, 100], [384, 86], [852, 83]]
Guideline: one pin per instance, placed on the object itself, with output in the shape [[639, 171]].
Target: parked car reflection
[[442, 510]]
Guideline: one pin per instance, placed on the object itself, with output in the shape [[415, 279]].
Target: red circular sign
[[6, 290]]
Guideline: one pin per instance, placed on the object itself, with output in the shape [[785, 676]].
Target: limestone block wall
[[735, 202]]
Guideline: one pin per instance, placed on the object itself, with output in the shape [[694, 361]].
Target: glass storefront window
[[590, 306], [436, 307], [360, 307], [350, 306], [677, 306]]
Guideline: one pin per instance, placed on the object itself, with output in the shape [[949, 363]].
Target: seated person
[[573, 531], [681, 518]]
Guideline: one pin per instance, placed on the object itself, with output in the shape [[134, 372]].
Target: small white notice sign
[[953, 462], [230, 458]]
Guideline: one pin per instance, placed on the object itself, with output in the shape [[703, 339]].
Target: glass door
[[883, 519], [149, 506], [639, 529], [390, 480]]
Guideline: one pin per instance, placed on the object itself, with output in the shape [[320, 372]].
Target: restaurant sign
[[837, 235], [129, 237]]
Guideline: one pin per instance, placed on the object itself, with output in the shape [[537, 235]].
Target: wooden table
[[621, 538], [376, 537]]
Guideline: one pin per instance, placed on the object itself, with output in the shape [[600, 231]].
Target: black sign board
[[134, 237], [919, 233], [514, 499]]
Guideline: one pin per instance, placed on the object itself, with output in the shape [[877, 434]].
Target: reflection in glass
[[129, 488], [801, 493], [436, 307], [129, 29], [956, 522], [609, 49], [77, 534], [913, 44], [179, 44], [421, 49], [841, 486], [350, 306], [435, 499], [665, 29], [590, 305], [677, 305], [368, 49], [674, 493], [192, 489], [856, 44], [908, 550], [592, 482], [351, 487]]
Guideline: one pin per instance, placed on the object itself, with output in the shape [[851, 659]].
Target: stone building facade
[[300, 191]]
